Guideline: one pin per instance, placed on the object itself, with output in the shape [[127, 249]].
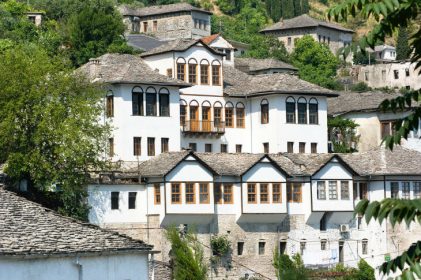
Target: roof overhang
[[150, 83], [262, 93]]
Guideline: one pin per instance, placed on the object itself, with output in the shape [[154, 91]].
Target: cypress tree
[[297, 8], [287, 8], [305, 7], [402, 47]]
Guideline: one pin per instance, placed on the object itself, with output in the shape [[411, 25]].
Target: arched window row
[[193, 72], [302, 112], [147, 103]]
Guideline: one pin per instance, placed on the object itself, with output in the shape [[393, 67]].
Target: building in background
[[35, 17], [256, 66], [217, 42], [383, 53]]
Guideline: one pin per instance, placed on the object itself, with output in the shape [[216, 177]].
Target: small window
[[302, 147], [193, 147], [313, 109], [386, 129], [333, 190], [294, 193], [262, 247], [190, 193], [290, 110], [224, 148], [216, 75], [228, 198], [323, 245], [137, 151], [251, 193], [169, 72], [208, 148], [344, 190], [137, 101], [151, 146], [204, 193], [110, 147], [217, 193], [266, 148], [155, 26], [110, 106], [228, 55], [115, 196], [394, 190], [157, 194], [183, 113], [240, 248], [396, 74], [406, 190], [229, 117], [302, 247], [289, 41], [175, 193], [417, 190], [302, 111], [314, 148], [204, 73], [217, 116], [238, 148], [181, 71], [407, 72], [145, 26], [276, 193], [164, 103], [132, 200], [264, 193], [240, 114], [150, 102], [359, 221], [264, 112], [192, 72], [165, 145], [364, 246], [282, 247], [321, 190], [290, 147]]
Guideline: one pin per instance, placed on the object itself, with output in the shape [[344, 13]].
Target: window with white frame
[[345, 190], [321, 190], [333, 190]]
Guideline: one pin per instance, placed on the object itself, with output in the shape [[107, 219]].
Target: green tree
[[364, 58], [315, 62], [305, 7], [49, 129], [297, 8], [342, 134], [287, 8], [402, 46], [267, 47], [186, 255], [287, 268], [365, 271]]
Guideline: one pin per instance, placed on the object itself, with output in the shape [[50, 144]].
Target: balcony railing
[[212, 127]]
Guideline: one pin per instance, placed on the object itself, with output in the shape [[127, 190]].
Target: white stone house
[[38, 244], [287, 31], [217, 42], [384, 53]]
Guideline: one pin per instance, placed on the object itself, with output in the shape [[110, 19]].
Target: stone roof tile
[[256, 64], [160, 9]]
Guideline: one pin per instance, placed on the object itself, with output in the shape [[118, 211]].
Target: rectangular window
[[238, 148], [190, 193], [204, 74], [323, 244], [193, 73], [344, 190], [290, 111], [386, 129], [110, 106], [165, 145], [302, 113], [137, 102], [208, 148], [216, 79], [181, 71], [110, 147], [164, 105], [407, 72], [264, 193], [155, 25], [157, 194], [262, 247], [206, 119], [150, 104], [229, 116], [193, 147], [217, 193], [240, 117], [294, 192], [394, 190], [363, 191], [228, 198], [217, 116], [266, 148], [137, 151], [264, 113], [396, 74], [183, 113], [417, 190], [321, 190], [224, 148], [333, 190], [175, 193], [204, 193], [365, 246], [240, 248], [302, 247], [276, 193], [115, 196], [132, 200], [313, 113], [406, 190], [151, 146], [145, 26], [282, 247], [228, 55], [289, 41], [314, 148], [302, 147], [251, 193], [290, 147]]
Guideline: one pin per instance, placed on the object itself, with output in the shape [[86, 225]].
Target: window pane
[[405, 190], [264, 193], [204, 193], [321, 190], [229, 117], [394, 190], [264, 110], [417, 190], [137, 103], [181, 71], [115, 200], [150, 104], [151, 146], [276, 193], [204, 74], [175, 193], [192, 73], [240, 117], [183, 113], [164, 145], [344, 190], [302, 113], [157, 193], [314, 115], [228, 198], [217, 192], [333, 190], [137, 146], [190, 193], [216, 80], [290, 110], [110, 106], [132, 200], [251, 193], [164, 105]]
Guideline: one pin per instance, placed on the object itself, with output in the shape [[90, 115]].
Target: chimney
[[94, 67]]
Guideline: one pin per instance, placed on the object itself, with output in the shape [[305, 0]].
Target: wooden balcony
[[203, 127]]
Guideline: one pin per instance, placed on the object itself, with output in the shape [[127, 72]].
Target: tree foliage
[[315, 62], [49, 129], [186, 255], [402, 46], [342, 133], [287, 268]]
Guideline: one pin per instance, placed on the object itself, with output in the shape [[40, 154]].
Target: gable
[[264, 171], [221, 43], [334, 169], [190, 169]]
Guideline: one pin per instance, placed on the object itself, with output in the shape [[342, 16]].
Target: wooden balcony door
[[194, 118], [206, 119]]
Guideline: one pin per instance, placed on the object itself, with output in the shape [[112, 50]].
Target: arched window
[[137, 101], [150, 101], [181, 69], [302, 110], [264, 111], [183, 112], [240, 115], [204, 72], [313, 109], [216, 73], [229, 114], [206, 116], [217, 115], [192, 71], [194, 115], [290, 110], [164, 102], [109, 104]]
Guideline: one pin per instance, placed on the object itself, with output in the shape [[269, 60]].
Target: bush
[[287, 268], [360, 87]]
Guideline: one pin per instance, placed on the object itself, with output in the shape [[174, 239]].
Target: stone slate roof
[[209, 39], [240, 84], [125, 68], [143, 42], [304, 21], [28, 229], [160, 10], [348, 102], [376, 162], [179, 45], [255, 64]]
